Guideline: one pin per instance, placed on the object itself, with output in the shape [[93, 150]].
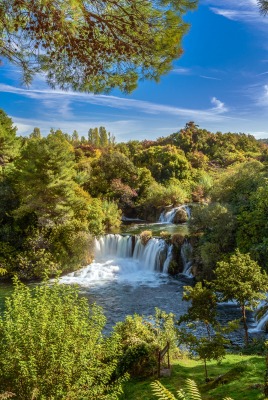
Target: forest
[[61, 190]]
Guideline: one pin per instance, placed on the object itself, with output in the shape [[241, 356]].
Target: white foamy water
[[169, 216], [123, 259]]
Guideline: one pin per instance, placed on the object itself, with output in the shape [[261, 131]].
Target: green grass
[[242, 376]]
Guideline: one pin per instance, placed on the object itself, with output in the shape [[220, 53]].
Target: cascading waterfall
[[186, 251], [122, 258], [262, 323], [168, 259], [113, 246], [169, 216]]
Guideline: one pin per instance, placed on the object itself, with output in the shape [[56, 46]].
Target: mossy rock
[[180, 217]]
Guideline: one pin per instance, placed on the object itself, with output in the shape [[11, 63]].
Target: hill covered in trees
[[58, 191]]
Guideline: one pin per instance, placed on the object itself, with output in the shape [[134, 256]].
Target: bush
[[52, 347], [145, 236], [142, 338]]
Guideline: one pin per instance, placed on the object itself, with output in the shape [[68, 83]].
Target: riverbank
[[242, 379]]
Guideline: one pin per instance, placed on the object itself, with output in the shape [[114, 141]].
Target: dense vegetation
[[61, 190]]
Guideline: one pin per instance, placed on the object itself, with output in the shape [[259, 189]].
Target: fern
[[163, 393], [6, 395], [191, 392]]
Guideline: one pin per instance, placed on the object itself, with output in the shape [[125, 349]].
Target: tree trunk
[[244, 318], [206, 371]]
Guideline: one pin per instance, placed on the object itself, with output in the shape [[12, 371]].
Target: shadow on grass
[[242, 379]]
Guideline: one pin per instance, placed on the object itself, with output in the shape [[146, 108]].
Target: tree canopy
[[93, 45], [263, 4]]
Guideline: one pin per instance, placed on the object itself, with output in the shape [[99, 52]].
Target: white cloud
[[240, 10], [182, 71], [210, 77], [219, 105], [61, 102]]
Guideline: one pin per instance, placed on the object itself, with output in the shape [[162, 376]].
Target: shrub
[[52, 347], [145, 236]]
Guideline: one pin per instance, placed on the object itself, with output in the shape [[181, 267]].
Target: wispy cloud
[[210, 77], [182, 71], [53, 98], [244, 11]]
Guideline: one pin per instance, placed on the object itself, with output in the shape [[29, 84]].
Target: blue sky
[[220, 83]]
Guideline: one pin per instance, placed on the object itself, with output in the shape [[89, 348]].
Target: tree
[[36, 134], [263, 4], [93, 45], [202, 313], [241, 279], [8, 141], [103, 137], [52, 346]]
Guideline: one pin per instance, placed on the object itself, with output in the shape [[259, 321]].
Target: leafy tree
[[142, 337], [252, 230], [164, 162], [44, 175], [36, 134], [241, 279], [263, 4], [215, 226], [202, 313], [9, 144], [52, 346], [93, 46], [111, 165], [237, 183], [103, 137], [75, 137]]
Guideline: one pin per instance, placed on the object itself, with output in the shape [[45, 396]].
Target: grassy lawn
[[241, 380]]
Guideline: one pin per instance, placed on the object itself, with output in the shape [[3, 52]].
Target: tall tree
[[241, 279], [36, 134], [8, 141], [93, 45], [103, 137]]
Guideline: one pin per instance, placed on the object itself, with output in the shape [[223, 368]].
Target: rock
[[180, 216]]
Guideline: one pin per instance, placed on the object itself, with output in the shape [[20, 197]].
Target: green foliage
[[215, 225], [164, 162], [52, 346], [103, 216], [142, 338], [202, 311], [110, 166], [93, 47], [241, 279], [237, 183], [9, 144]]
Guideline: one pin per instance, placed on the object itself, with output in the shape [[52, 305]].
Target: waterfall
[[263, 321], [186, 252], [113, 246], [118, 246], [169, 216], [123, 259], [168, 259]]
